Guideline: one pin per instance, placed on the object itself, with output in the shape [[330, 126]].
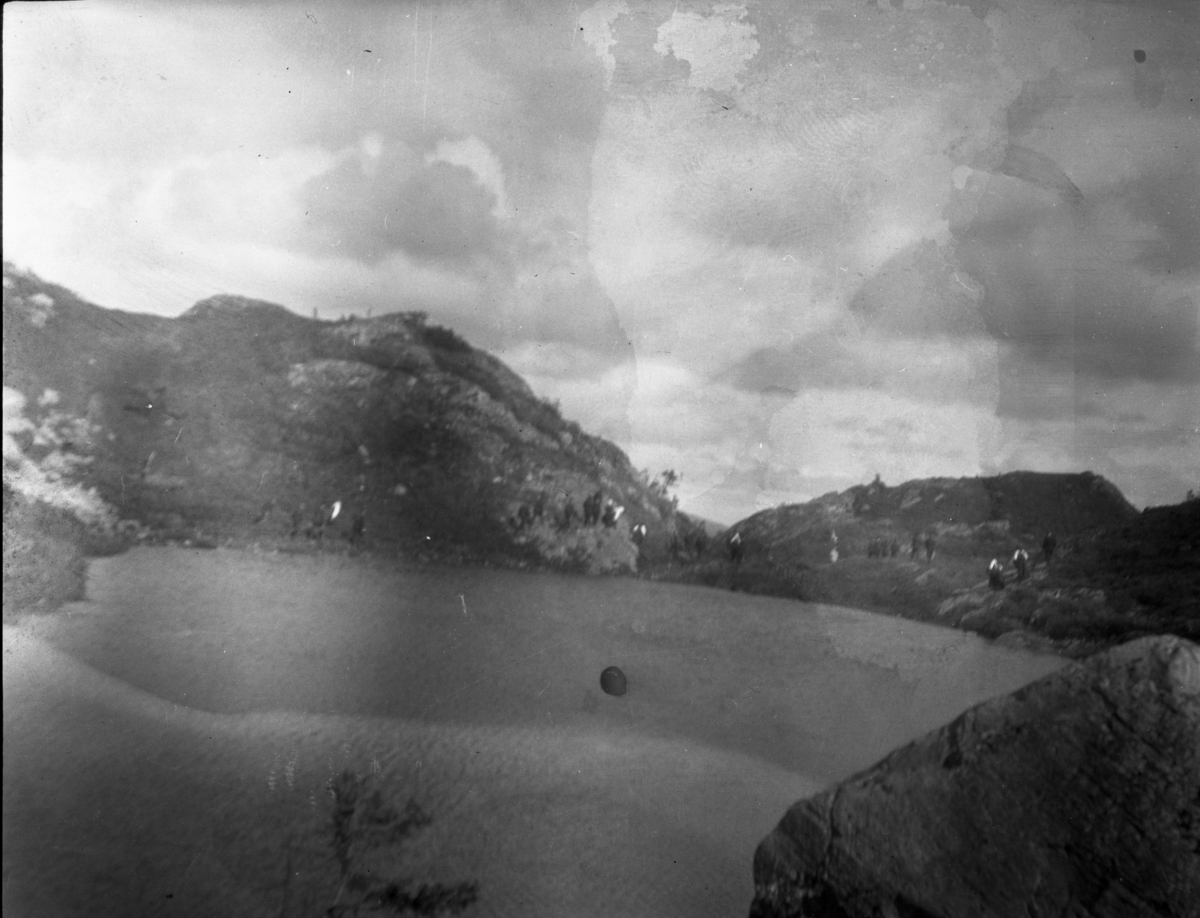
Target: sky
[[779, 247]]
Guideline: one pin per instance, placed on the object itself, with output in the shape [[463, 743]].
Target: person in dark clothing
[[610, 515], [1048, 545], [916, 545], [995, 575], [568, 516], [930, 545], [591, 509], [737, 548], [1021, 563]]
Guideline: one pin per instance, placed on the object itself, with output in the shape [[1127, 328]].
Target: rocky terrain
[[1077, 795], [242, 423], [922, 550]]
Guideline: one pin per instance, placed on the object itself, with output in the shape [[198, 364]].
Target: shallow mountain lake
[[168, 741]]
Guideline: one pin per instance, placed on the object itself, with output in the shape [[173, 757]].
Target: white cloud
[[472, 153]]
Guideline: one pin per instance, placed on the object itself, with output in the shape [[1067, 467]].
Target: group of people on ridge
[[1020, 561], [596, 511]]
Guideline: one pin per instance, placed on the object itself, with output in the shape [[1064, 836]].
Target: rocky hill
[[1077, 795], [922, 550], [240, 422]]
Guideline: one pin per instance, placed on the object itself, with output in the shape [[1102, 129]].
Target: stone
[[613, 681], [1078, 795]]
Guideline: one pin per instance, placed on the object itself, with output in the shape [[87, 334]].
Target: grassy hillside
[[1115, 575], [241, 422]]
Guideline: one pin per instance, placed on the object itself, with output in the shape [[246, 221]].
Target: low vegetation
[[366, 833]]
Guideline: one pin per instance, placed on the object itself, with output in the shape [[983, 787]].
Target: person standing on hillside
[[916, 546], [609, 519], [1021, 563], [736, 548], [995, 575], [568, 515], [930, 545], [1048, 545]]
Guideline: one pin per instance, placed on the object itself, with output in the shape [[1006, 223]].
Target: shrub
[[365, 824], [444, 338]]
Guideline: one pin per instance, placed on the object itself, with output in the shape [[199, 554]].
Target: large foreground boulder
[[1078, 795]]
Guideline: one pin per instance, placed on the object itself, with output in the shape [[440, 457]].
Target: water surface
[[236, 684]]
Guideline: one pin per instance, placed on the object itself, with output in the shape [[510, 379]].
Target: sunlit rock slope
[[1077, 795]]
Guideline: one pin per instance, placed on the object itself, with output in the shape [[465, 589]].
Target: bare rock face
[[1078, 796]]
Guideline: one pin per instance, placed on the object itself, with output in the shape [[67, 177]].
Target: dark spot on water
[[1140, 56]]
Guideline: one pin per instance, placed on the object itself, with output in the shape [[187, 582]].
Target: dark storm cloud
[[818, 360], [1062, 287], [369, 210], [918, 293], [1169, 200]]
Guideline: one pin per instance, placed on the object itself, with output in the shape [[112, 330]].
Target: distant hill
[[966, 516], [1116, 574], [241, 422]]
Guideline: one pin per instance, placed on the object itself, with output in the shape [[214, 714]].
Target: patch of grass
[[365, 830]]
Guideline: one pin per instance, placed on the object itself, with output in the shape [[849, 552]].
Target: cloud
[[921, 292], [716, 233], [1064, 286], [472, 153], [1167, 199], [434, 210], [937, 370], [1143, 436]]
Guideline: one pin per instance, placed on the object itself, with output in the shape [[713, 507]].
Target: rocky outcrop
[[1078, 795]]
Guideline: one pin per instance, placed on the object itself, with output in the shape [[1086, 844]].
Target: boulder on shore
[[1078, 795]]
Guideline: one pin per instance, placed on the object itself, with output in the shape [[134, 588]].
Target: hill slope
[[242, 422], [1115, 575]]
